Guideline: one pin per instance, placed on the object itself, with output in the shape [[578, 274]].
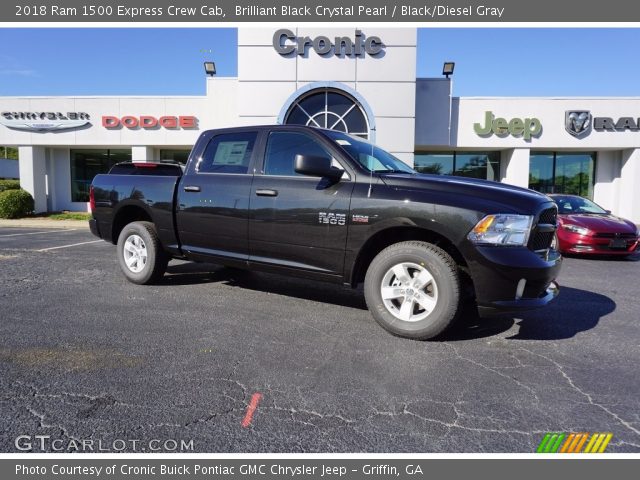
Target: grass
[[69, 216], [63, 216]]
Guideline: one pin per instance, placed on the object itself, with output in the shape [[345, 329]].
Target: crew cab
[[325, 205]]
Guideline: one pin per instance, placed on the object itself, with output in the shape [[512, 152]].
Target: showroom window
[[484, 165], [177, 155], [562, 172], [86, 164], [329, 108]]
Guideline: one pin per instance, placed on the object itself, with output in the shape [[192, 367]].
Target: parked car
[[587, 228], [324, 205]]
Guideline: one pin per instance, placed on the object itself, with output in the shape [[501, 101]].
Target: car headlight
[[502, 229], [576, 229]]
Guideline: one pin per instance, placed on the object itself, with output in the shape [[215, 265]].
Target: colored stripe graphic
[[567, 443], [582, 441], [605, 442], [592, 440], [556, 445], [558, 442]]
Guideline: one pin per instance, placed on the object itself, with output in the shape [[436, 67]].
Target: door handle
[[191, 188], [266, 192]]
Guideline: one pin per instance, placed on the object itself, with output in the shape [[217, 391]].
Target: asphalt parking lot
[[85, 355]]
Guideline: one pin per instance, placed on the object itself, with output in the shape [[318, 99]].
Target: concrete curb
[[44, 223]]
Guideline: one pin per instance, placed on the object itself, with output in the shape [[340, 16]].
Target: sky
[[168, 61]]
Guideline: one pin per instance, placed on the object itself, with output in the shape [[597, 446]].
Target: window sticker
[[230, 153]]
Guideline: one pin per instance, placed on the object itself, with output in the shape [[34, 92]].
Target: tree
[[9, 152]]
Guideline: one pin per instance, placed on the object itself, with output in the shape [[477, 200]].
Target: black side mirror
[[316, 167]]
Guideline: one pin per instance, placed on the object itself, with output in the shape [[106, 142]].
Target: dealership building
[[359, 80]]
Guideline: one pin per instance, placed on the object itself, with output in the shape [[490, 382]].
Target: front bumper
[[513, 278], [596, 245]]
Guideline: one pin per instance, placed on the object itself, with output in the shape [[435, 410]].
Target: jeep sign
[[286, 42], [517, 127]]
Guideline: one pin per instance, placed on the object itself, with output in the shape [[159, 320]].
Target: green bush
[[9, 185], [15, 203]]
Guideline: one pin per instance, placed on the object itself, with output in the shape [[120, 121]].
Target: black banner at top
[[300, 11]]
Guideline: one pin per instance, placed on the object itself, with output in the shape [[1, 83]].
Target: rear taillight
[[92, 199]]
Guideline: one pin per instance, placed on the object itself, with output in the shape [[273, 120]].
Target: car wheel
[[140, 255], [412, 289]]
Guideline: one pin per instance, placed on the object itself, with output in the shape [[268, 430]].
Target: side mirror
[[608, 212], [316, 167]]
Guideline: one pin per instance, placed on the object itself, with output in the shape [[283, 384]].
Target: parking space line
[[39, 233], [67, 246]]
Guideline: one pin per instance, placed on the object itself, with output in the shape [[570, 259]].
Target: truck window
[[228, 153], [282, 148]]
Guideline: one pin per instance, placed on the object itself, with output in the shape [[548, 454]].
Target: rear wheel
[[412, 289], [140, 254]]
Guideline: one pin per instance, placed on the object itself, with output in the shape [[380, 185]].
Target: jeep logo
[[286, 42], [517, 127]]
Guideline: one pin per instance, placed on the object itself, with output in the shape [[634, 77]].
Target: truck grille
[[541, 238]]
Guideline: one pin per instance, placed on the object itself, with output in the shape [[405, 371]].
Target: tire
[[136, 240], [419, 276]]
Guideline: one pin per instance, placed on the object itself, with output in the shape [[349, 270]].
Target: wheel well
[[385, 238], [125, 216]]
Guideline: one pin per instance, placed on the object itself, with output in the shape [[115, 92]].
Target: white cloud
[[19, 72], [10, 66]]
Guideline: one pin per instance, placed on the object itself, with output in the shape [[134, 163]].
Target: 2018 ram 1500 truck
[[325, 205]]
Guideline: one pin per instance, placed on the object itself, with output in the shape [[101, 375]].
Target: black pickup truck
[[324, 205]]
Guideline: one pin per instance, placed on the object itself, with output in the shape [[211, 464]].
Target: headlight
[[576, 229], [502, 229]]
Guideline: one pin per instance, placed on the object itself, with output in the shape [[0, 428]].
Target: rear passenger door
[[213, 197], [296, 220]]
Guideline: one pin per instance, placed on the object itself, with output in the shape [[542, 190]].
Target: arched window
[[329, 108]]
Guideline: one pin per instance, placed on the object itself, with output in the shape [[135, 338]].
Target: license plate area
[[618, 243]]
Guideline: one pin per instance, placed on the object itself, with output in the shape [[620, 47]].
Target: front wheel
[[140, 254], [412, 289]]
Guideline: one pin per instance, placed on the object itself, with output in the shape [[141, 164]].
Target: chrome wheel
[[409, 292], [135, 253]]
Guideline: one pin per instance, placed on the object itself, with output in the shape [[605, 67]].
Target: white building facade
[[360, 80]]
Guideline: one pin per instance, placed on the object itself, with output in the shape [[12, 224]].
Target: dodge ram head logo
[[578, 122]]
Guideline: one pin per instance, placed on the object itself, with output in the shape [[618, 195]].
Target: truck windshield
[[368, 155]]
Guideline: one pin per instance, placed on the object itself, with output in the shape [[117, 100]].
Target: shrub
[[9, 185], [15, 203]]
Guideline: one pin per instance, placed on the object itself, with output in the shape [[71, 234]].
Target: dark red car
[[587, 228]]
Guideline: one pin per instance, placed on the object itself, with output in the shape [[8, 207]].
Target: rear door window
[[228, 153]]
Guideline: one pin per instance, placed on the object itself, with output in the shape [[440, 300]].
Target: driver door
[[298, 221]]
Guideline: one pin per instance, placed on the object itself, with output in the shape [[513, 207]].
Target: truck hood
[[514, 199]]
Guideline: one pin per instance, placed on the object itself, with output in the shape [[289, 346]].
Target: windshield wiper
[[393, 171]]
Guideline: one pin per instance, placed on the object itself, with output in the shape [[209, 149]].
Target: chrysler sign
[[44, 121]]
